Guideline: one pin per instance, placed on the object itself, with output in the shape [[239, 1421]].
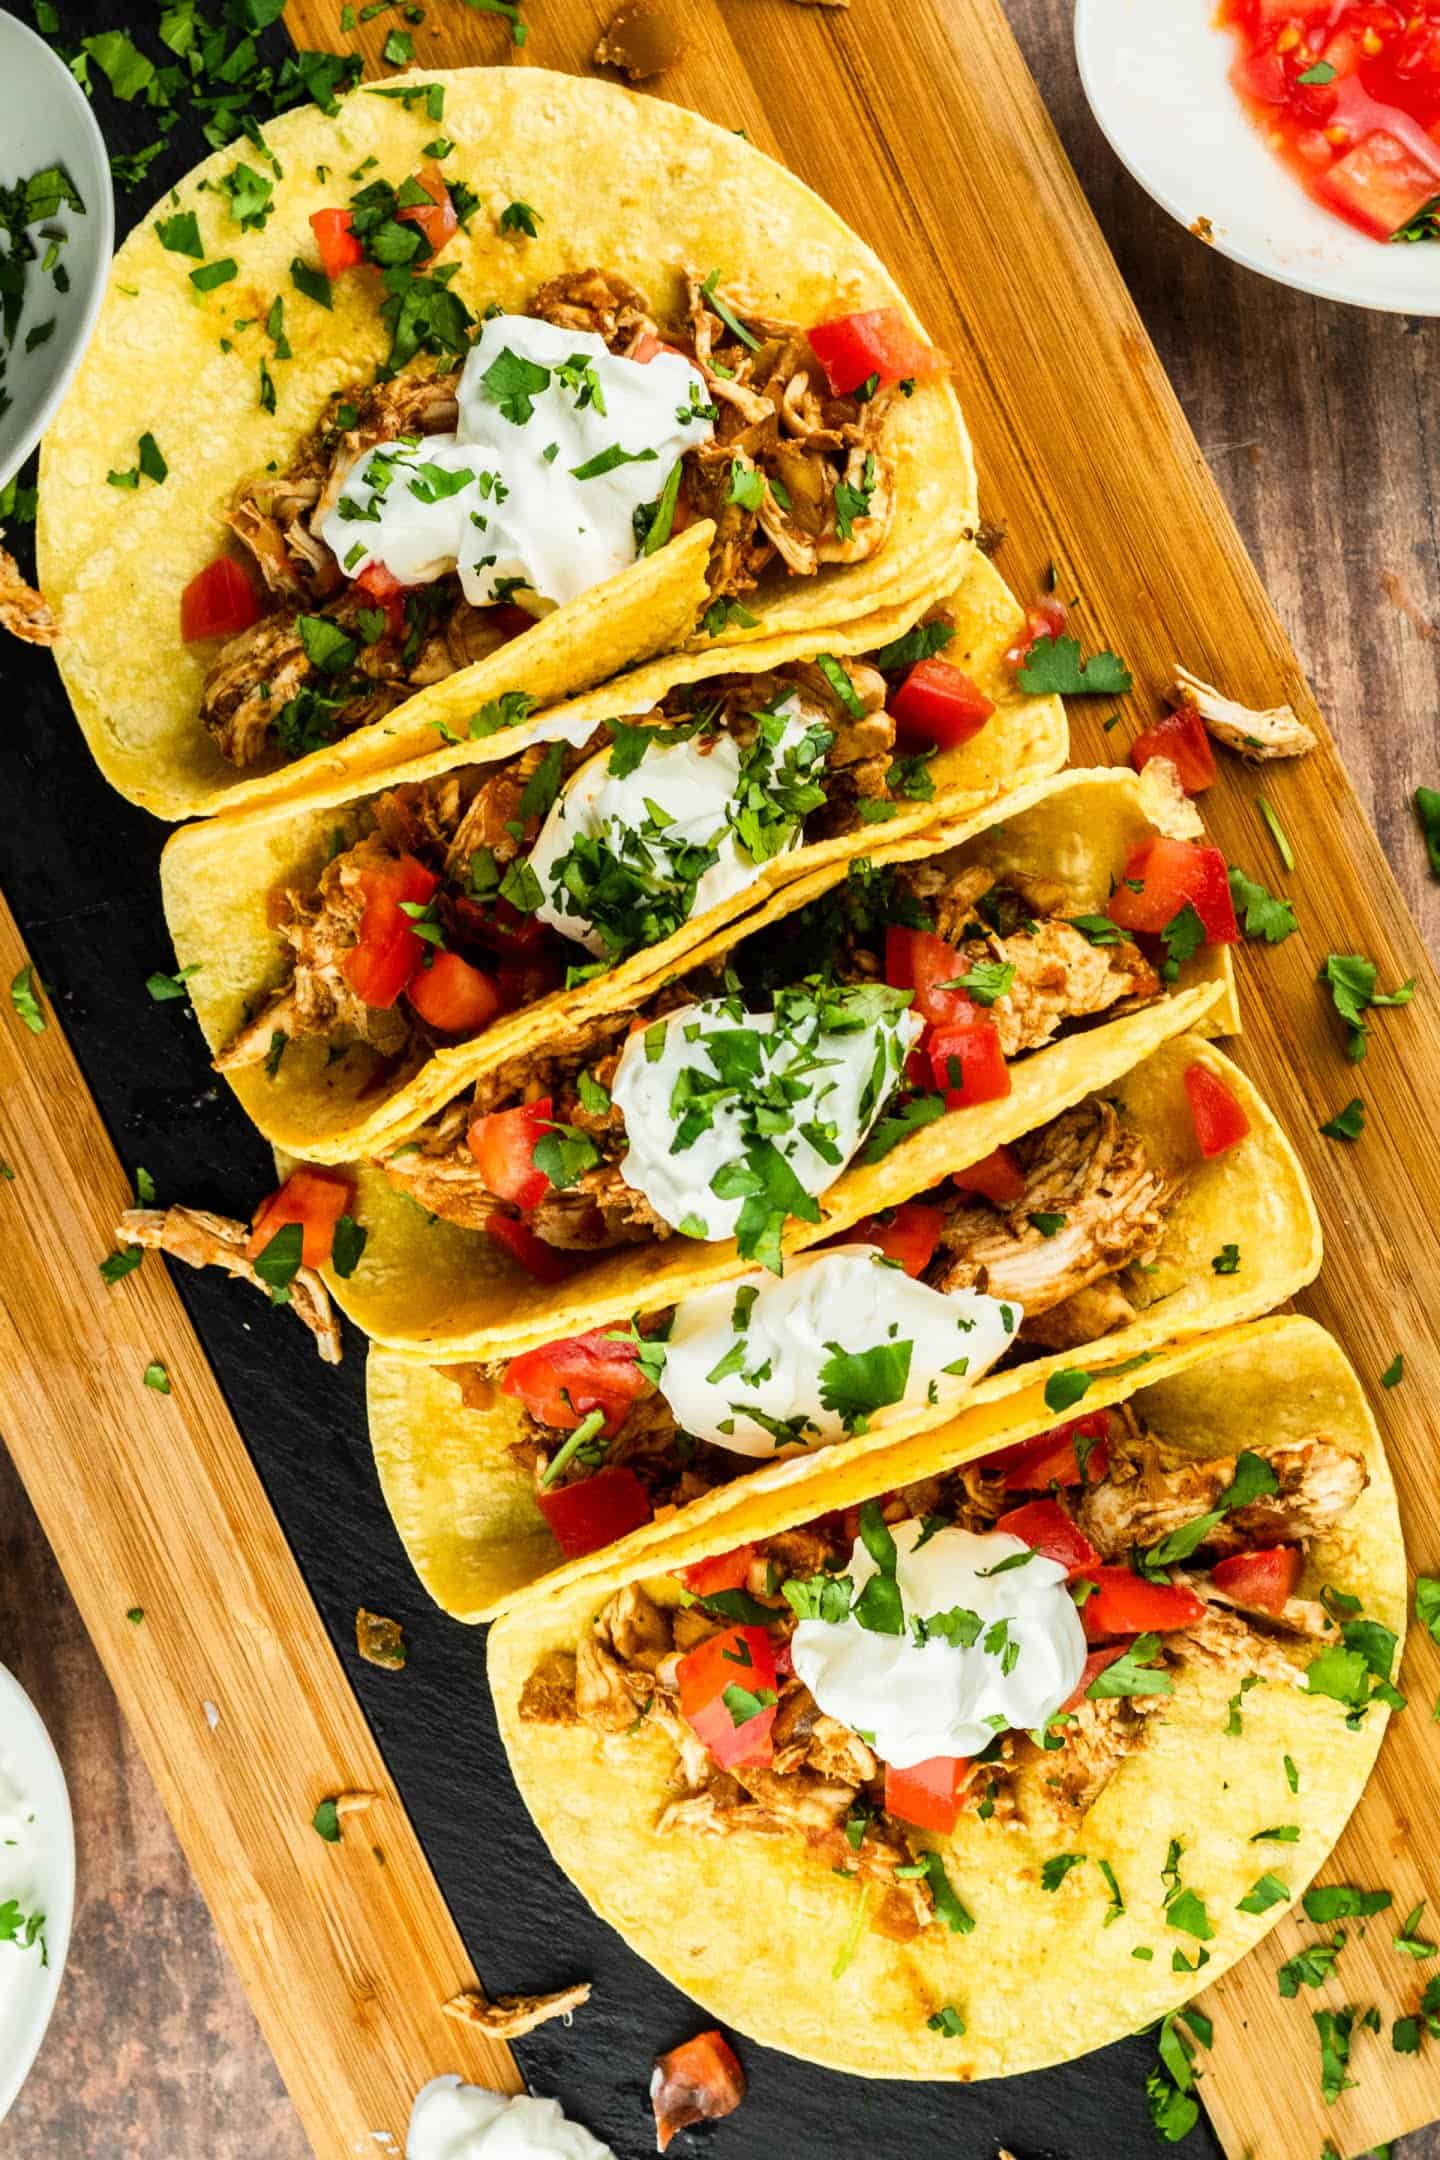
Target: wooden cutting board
[[921, 125]]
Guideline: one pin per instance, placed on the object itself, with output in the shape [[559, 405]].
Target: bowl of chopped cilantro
[[56, 232]]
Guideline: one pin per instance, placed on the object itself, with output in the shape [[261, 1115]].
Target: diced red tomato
[[1045, 1527], [387, 592], [968, 1063], [339, 249], [1264, 1579], [512, 620], [918, 960], [724, 1571], [560, 1383], [1181, 737], [595, 1511], [1096, 1662], [388, 951], [879, 342], [316, 1199], [737, 1657], [1379, 185], [1169, 873], [525, 981], [1218, 1119], [219, 601], [1047, 617], [503, 1142], [1126, 1604], [997, 1177], [937, 706], [928, 1794], [519, 1242], [697, 2082], [499, 927], [908, 1233], [646, 347], [1052, 1458], [454, 997], [436, 219]]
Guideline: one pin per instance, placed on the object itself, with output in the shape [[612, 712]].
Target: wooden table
[[1314, 420]]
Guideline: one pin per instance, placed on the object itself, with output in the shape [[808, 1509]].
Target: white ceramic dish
[[45, 119], [28, 1760], [1156, 73]]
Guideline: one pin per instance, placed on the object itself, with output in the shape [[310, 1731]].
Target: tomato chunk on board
[[1181, 737], [1264, 1579], [696, 2082], [737, 1658], [928, 1794], [560, 1383], [316, 1199], [595, 1511], [1219, 1121]]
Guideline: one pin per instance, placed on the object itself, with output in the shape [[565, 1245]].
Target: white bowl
[[45, 119], [29, 1760], [1156, 73]]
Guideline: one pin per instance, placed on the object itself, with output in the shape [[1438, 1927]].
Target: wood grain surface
[[1316, 424]]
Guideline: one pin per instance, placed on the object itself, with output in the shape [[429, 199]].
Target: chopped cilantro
[[156, 1377], [1269, 1890], [181, 234], [1351, 980], [1427, 807], [1227, 1260], [25, 992], [1053, 668], [520, 217], [1263, 914], [1347, 1124], [1055, 1869]]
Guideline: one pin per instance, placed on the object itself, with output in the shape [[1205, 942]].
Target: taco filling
[[503, 466], [722, 1115], [1000, 1639], [451, 901]]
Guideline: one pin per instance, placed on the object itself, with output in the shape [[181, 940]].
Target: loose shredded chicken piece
[[508, 2017], [1151, 1490], [24, 612], [1276, 733], [201, 1239]]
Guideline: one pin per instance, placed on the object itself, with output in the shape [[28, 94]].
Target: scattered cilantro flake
[[181, 234], [1347, 1124], [117, 1265], [164, 988], [1394, 1372], [157, 1378], [1427, 807], [1277, 833], [1351, 981], [1269, 1890], [1263, 915], [210, 275], [1227, 1260], [1055, 1869], [1053, 668], [520, 217], [326, 1822], [26, 989]]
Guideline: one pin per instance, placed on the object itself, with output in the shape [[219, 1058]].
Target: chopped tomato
[[646, 347], [339, 249], [697, 2082], [937, 706], [968, 1063], [1053, 1458], [928, 1794], [525, 981], [997, 1177], [1126, 1604], [738, 1657], [219, 601], [316, 1199], [1045, 618], [562, 1382], [724, 1571], [1181, 737], [499, 927], [387, 592], [1168, 873], [880, 342], [1096, 1662], [918, 960], [1218, 1119], [519, 1242], [453, 997], [1264, 1579], [1045, 1527], [436, 219], [503, 1142], [388, 951], [908, 1233], [595, 1511], [1379, 185], [512, 620]]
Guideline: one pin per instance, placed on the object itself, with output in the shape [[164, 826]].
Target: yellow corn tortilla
[[1042, 1978], [217, 878], [440, 1293], [467, 1513], [630, 184]]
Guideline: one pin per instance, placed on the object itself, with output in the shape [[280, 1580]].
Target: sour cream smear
[[534, 497], [453, 2121], [769, 1345], [1003, 1646]]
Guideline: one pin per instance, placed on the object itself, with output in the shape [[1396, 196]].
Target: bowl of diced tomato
[[1299, 137]]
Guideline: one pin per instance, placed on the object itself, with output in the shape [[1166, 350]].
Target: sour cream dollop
[[939, 1698], [770, 1343], [681, 796], [452, 2121], [559, 443], [680, 1141]]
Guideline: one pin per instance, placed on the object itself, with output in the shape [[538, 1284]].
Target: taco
[[574, 311], [530, 1208], [362, 956], [1009, 1731], [1108, 1228]]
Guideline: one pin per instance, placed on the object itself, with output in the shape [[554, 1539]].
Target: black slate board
[[79, 868]]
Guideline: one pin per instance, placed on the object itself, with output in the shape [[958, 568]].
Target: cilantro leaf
[[1347, 1124], [1053, 667], [1264, 915], [856, 1383]]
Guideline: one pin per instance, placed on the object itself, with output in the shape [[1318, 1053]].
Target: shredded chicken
[[1083, 1317], [509, 2017], [24, 612], [1151, 1490], [1276, 733], [1228, 1643], [1060, 976], [201, 1239], [1297, 1616], [1066, 1783]]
